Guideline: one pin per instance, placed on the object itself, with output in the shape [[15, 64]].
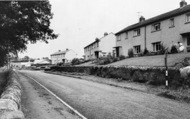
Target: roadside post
[[166, 65]]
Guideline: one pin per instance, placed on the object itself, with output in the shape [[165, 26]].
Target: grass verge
[[180, 95]]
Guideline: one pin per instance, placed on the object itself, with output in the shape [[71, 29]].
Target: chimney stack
[[183, 3], [105, 34], [141, 19]]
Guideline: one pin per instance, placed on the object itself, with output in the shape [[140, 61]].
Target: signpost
[[166, 65]]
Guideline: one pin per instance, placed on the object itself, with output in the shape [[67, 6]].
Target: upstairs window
[[137, 32], [126, 35], [172, 23], [119, 38], [156, 27], [137, 49], [156, 46], [187, 17]]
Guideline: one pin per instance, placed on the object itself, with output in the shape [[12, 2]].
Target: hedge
[[149, 75]]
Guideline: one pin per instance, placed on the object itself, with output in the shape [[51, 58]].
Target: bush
[[156, 79], [120, 73], [107, 60], [137, 76], [122, 57], [130, 52], [146, 52], [173, 49], [152, 76], [77, 61], [162, 49], [186, 61]]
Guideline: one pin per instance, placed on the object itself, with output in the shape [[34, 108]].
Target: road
[[100, 101]]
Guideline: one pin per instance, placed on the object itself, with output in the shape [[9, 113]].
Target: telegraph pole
[[166, 66]]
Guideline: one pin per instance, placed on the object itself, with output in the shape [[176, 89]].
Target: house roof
[[164, 16], [91, 43], [97, 40], [42, 61], [59, 52]]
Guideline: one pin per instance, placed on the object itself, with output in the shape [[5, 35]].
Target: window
[[137, 32], [156, 46], [137, 49], [188, 41], [119, 38], [126, 35], [156, 27], [187, 17], [171, 23]]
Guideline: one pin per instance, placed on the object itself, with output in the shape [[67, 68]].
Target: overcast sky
[[79, 22]]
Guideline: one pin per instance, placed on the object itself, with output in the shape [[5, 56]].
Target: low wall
[[150, 75], [10, 101]]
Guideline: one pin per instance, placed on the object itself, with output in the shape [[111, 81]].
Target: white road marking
[[74, 110]]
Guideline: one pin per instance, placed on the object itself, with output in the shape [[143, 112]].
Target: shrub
[[140, 54], [130, 52], [137, 76], [75, 61], [119, 73], [145, 77], [121, 57], [173, 49], [162, 49], [107, 60], [153, 76], [186, 61], [156, 79], [146, 52]]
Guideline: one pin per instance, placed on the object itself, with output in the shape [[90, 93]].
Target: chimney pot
[[183, 3], [105, 34], [141, 19]]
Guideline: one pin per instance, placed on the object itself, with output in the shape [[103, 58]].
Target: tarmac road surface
[[95, 100]]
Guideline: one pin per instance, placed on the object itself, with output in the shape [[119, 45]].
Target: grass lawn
[[157, 60]]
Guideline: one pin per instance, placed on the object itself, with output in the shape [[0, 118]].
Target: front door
[[117, 51], [63, 61], [97, 54]]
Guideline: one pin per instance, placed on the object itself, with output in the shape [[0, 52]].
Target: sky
[[79, 22]]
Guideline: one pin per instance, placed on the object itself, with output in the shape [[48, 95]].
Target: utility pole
[[166, 66]]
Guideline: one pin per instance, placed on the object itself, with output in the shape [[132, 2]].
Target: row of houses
[[20, 63], [167, 29]]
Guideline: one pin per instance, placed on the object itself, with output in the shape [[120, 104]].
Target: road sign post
[[166, 71]]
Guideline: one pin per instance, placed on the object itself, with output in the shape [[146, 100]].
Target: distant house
[[100, 47], [168, 28], [63, 56], [21, 64], [41, 61]]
